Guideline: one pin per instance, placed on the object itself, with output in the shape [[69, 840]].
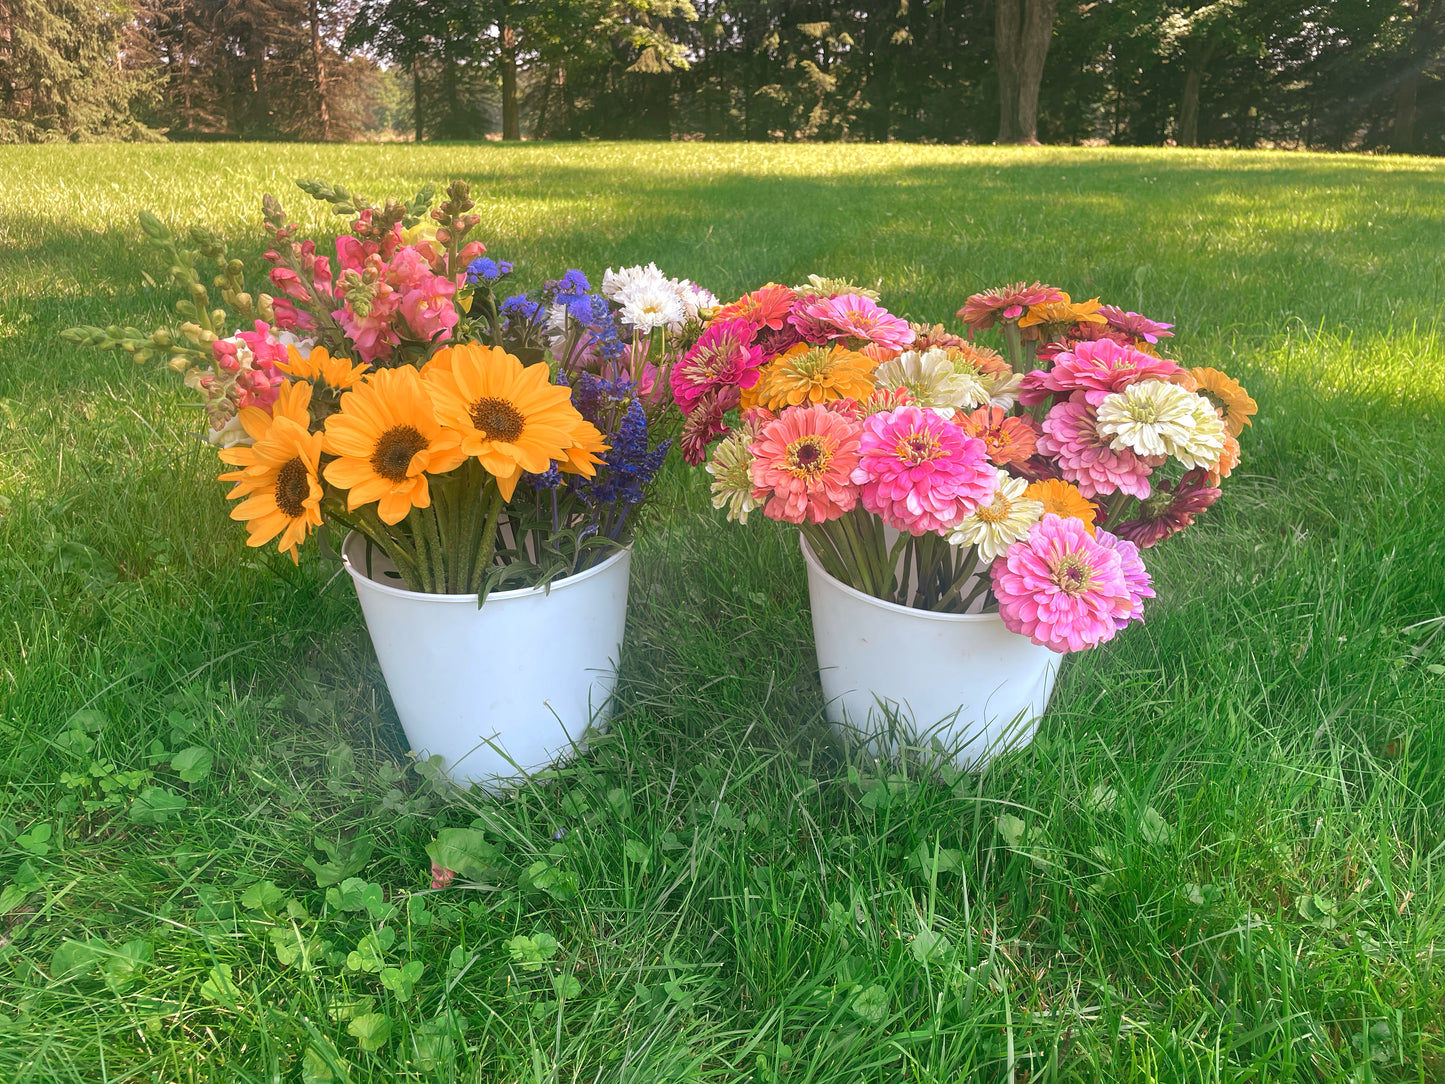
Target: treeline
[[1343, 74]]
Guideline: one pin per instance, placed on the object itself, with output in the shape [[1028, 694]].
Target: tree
[[64, 73], [1424, 39], [1023, 30]]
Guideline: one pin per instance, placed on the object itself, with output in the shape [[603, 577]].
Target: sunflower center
[[394, 451], [498, 419], [808, 457], [293, 486], [918, 448], [1073, 575]]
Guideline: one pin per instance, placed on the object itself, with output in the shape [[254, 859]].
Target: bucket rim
[[816, 566], [363, 581]]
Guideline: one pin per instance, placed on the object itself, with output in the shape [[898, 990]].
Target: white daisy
[[995, 526]]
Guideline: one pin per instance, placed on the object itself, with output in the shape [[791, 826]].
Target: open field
[[1234, 861]]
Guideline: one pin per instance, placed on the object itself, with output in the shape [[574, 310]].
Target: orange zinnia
[[386, 438], [1229, 396], [1063, 312], [815, 374], [1063, 499]]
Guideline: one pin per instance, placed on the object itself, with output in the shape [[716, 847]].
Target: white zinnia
[[693, 297], [931, 380], [651, 305], [995, 526], [1152, 417], [1206, 443], [617, 283]]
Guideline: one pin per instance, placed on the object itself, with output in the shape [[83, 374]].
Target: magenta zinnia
[[724, 356], [1060, 588], [1097, 369], [982, 311], [853, 318], [1136, 576], [1071, 437], [802, 465], [920, 472], [1171, 509]]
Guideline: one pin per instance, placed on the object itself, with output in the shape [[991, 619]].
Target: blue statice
[[483, 269]]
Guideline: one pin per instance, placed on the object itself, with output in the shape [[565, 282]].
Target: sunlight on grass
[[1220, 859]]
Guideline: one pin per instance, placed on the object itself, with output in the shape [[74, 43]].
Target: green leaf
[[343, 860], [930, 946], [74, 959], [532, 953], [1101, 799], [371, 1031], [322, 1065], [12, 897], [88, 719], [400, 980], [566, 985], [122, 964], [922, 859], [354, 894], [37, 840], [263, 896], [193, 764], [542, 876], [464, 850], [1012, 829], [433, 1044], [220, 988], [871, 1004], [370, 950], [1154, 828], [637, 852], [156, 805]]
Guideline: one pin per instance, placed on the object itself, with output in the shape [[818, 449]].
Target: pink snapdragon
[[1061, 588], [920, 472], [428, 310]]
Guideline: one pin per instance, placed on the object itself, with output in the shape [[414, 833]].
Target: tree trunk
[[416, 97], [539, 125], [316, 59], [1402, 134], [511, 120], [1022, 33], [1198, 60]]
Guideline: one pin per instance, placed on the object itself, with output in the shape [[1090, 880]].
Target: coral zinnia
[[278, 473], [509, 415], [1171, 509], [1064, 500], [1071, 437], [814, 374], [855, 318], [1060, 588], [981, 311], [994, 526], [1096, 368], [386, 439], [338, 372], [1008, 440], [1228, 395], [803, 462], [723, 356], [920, 472], [767, 306]]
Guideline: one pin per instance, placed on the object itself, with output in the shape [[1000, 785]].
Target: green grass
[[1232, 858]]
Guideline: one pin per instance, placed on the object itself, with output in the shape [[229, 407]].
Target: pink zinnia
[[920, 472], [1061, 588], [723, 357], [803, 465], [1171, 509], [1136, 576], [1131, 323], [854, 318], [1071, 437], [982, 311], [1096, 369]]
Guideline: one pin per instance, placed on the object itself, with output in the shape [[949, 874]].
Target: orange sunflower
[[510, 416], [338, 372], [1228, 395], [815, 374], [1063, 499], [278, 473], [386, 438]]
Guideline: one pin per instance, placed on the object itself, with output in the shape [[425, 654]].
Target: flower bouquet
[[479, 449], [1002, 499]]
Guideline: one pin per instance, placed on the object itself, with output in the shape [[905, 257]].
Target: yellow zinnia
[[1063, 499], [386, 438], [278, 475], [338, 372], [510, 416], [815, 374], [1228, 395]]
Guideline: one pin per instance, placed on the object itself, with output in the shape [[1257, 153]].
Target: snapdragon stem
[[492, 498]]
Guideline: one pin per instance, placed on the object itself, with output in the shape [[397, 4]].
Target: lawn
[[1232, 860]]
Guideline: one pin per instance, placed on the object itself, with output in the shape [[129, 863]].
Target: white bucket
[[502, 691], [895, 676]]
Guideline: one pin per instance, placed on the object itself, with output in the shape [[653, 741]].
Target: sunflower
[[1064, 500], [815, 374], [338, 372], [509, 415], [386, 438], [277, 479], [1228, 395]]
